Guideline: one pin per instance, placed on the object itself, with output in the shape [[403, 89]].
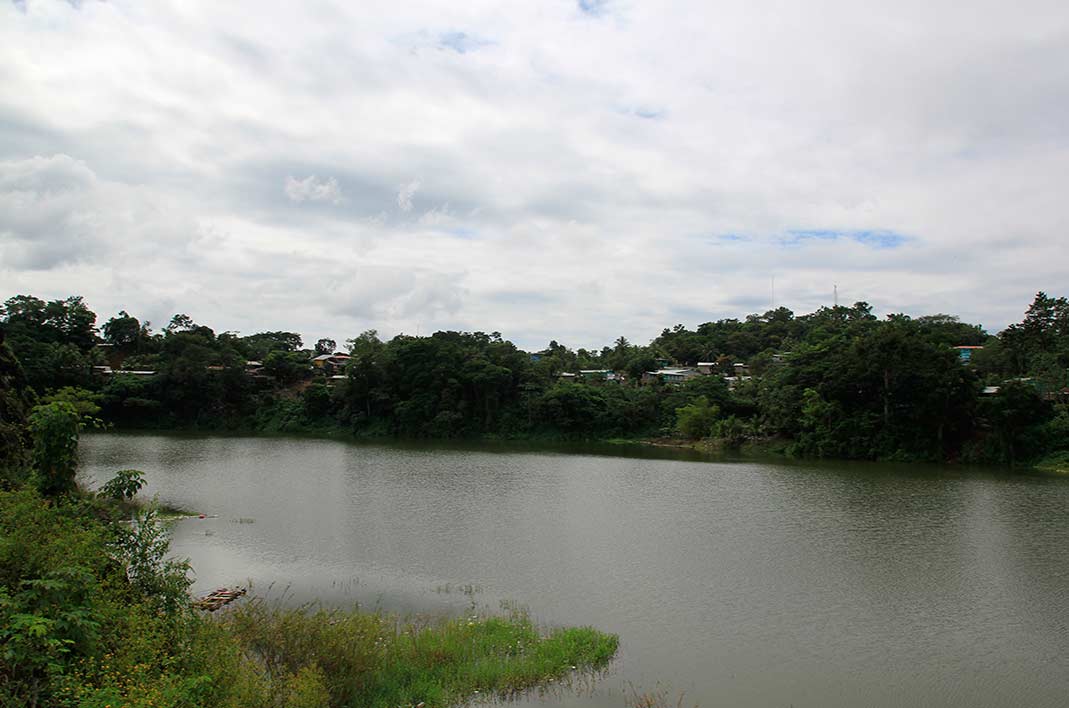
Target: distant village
[[331, 367]]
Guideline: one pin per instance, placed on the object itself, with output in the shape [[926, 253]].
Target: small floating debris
[[218, 598]]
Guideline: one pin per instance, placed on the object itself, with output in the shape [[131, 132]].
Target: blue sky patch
[[879, 239], [462, 42], [595, 8], [644, 111], [649, 113]]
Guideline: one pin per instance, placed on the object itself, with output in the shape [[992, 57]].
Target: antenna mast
[[835, 289]]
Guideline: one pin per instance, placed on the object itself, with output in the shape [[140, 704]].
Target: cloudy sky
[[547, 169]]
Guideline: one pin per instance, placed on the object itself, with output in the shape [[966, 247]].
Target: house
[[567, 376], [706, 367], [965, 352], [255, 370], [733, 381], [741, 369], [600, 375], [670, 375], [331, 363]]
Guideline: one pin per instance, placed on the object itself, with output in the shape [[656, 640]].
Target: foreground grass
[[355, 658]]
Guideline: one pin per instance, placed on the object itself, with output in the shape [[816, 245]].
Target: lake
[[737, 583]]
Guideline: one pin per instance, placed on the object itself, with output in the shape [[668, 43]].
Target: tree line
[[838, 382]]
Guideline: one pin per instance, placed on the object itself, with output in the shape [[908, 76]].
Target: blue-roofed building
[[965, 352]]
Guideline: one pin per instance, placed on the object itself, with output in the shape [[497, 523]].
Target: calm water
[[740, 584]]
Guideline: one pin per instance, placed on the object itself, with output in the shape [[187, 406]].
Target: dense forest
[[838, 382]]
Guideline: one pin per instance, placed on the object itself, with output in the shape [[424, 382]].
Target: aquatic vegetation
[[374, 659]]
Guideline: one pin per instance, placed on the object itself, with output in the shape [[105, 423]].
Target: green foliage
[[732, 432], [143, 549], [883, 389], [45, 621], [54, 427], [16, 400], [1017, 422], [52, 339], [696, 419], [373, 660], [50, 614], [124, 485], [286, 367], [1057, 462], [258, 346], [574, 408], [85, 402], [67, 321], [316, 401], [325, 346], [74, 631], [124, 331]]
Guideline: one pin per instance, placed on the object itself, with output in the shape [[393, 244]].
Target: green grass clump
[[373, 659]]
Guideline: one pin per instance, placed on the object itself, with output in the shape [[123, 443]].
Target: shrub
[[124, 485], [54, 428]]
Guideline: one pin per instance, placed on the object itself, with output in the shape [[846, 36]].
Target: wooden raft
[[218, 598]]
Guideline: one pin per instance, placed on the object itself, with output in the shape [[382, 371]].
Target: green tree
[[1017, 416], [123, 331], [573, 409], [286, 367], [316, 402], [258, 346], [325, 346], [54, 428], [696, 419], [124, 485], [180, 323], [16, 400], [84, 401]]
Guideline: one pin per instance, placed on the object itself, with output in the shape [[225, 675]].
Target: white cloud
[[56, 211], [405, 194], [313, 189], [590, 161]]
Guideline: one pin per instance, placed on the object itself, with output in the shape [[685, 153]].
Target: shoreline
[[707, 450]]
